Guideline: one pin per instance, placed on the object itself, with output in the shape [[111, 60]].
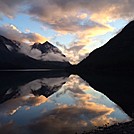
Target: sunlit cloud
[[83, 19], [76, 51], [12, 32], [83, 16]]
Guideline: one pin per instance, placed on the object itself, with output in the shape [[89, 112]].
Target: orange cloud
[[83, 19], [12, 32], [83, 16]]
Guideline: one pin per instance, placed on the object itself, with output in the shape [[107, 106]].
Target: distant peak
[[47, 42], [37, 43]]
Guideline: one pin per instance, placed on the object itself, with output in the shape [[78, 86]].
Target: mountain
[[117, 55], [49, 52], [14, 55]]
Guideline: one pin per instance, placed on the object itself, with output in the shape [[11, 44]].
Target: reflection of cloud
[[84, 87], [49, 83], [26, 98], [8, 128], [107, 121], [12, 106], [66, 119], [35, 101], [70, 110], [82, 97], [75, 84], [14, 111]]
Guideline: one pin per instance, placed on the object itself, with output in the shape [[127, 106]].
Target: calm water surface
[[55, 105]]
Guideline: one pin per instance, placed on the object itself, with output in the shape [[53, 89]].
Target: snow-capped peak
[[49, 52]]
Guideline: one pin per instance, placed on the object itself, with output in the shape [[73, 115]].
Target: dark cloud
[[11, 7], [63, 16], [65, 13]]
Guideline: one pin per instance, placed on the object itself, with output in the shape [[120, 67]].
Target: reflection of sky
[[74, 108]]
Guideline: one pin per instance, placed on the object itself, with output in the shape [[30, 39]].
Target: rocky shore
[[122, 128]]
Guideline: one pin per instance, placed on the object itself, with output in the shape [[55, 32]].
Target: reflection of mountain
[[46, 90], [75, 108], [14, 55], [119, 89], [14, 84]]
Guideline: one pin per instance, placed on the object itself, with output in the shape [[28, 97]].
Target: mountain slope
[[49, 52], [117, 55], [11, 57]]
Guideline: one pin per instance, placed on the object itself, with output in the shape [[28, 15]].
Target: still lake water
[[53, 104]]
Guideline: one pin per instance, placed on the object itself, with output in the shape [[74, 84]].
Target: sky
[[76, 27]]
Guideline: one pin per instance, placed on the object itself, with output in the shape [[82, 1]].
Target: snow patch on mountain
[[10, 48], [46, 55], [34, 53], [48, 52], [38, 51]]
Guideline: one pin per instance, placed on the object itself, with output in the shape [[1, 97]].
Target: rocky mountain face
[[13, 55], [117, 55]]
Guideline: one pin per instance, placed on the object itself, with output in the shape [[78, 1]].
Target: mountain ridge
[[12, 57], [115, 56]]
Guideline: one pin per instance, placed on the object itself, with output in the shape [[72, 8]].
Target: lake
[[53, 102]]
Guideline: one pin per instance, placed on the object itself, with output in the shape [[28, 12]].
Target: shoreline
[[121, 128]]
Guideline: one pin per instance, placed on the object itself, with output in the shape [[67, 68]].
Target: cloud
[[82, 18], [11, 8], [71, 16], [12, 32], [69, 19], [115, 8]]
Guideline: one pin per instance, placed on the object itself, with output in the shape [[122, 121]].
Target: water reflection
[[55, 106]]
